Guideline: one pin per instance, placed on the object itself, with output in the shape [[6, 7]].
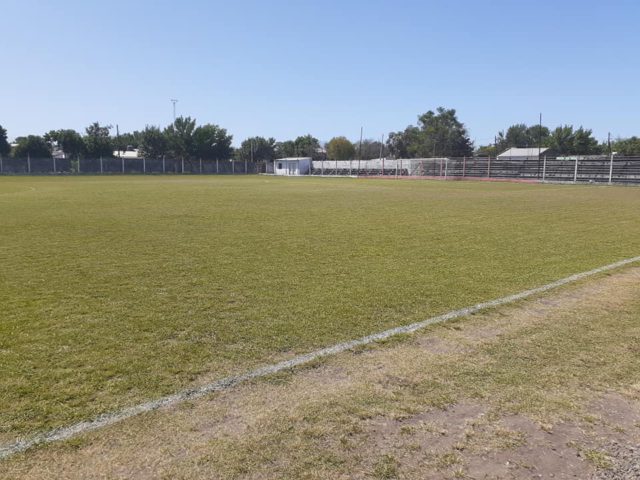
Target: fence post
[[122, 162], [400, 167], [575, 170], [489, 167], [54, 164], [322, 167], [183, 165], [446, 167], [101, 169], [144, 165], [0, 163], [383, 166], [245, 167], [28, 163], [78, 163], [611, 169], [464, 166], [217, 166], [544, 168], [163, 169], [233, 166], [201, 166]]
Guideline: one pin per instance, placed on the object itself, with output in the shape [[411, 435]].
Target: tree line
[[438, 133]]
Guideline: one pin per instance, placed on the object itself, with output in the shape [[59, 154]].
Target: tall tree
[[259, 149], [339, 148], [153, 142], [401, 144], [180, 136], [285, 149], [371, 149], [5, 147], [33, 146], [67, 140], [629, 147], [308, 146], [443, 134], [564, 140], [438, 134], [211, 142], [98, 141]]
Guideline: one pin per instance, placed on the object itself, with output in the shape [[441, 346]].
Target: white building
[[534, 153], [127, 153], [292, 166]]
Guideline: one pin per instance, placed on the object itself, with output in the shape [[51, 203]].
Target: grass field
[[120, 289]]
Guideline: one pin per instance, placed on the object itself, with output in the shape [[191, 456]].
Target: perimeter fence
[[92, 166], [588, 169]]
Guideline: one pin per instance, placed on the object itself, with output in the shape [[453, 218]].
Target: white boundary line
[[65, 433]]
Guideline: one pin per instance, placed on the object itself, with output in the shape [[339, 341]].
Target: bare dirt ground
[[547, 388]]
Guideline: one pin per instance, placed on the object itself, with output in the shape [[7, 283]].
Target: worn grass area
[[504, 394], [116, 290]]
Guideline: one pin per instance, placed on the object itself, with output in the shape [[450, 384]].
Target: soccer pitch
[[116, 290]]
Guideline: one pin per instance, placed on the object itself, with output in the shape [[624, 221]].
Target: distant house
[[534, 153], [292, 166]]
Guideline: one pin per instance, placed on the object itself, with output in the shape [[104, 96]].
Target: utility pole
[[174, 101], [539, 143], [360, 151]]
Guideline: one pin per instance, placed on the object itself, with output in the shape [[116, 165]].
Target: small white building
[[134, 153], [523, 154], [292, 166]]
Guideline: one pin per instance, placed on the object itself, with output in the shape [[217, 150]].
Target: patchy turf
[[548, 388], [117, 290]]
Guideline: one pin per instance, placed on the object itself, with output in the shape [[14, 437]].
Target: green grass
[[119, 289]]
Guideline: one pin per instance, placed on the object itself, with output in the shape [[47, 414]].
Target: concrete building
[[292, 166]]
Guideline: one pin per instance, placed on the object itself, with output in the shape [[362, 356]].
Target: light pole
[[174, 101]]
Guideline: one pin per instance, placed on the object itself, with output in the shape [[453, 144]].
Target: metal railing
[[575, 169]]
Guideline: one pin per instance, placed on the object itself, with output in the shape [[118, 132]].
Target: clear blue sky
[[286, 68]]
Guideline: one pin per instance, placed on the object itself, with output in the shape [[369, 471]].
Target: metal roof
[[523, 152]]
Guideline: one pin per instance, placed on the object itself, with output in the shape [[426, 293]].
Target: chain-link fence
[[609, 169], [45, 166]]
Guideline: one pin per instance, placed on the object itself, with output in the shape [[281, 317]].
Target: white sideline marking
[[65, 433]]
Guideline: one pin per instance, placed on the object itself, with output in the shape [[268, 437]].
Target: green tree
[[127, 141], [5, 147], [68, 140], [285, 149], [33, 146], [370, 149], [628, 147], [564, 140], [400, 144], [438, 134], [98, 141], [339, 148], [179, 137], [211, 142], [443, 135], [259, 149], [153, 142], [308, 146], [584, 143]]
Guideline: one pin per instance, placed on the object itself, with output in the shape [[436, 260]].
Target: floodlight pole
[[174, 101]]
